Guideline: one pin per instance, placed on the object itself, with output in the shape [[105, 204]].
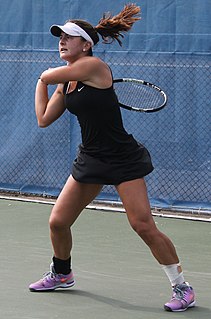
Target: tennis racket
[[140, 96]]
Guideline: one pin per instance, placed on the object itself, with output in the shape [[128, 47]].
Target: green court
[[116, 276]]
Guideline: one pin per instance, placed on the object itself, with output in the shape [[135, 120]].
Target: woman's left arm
[[90, 70]]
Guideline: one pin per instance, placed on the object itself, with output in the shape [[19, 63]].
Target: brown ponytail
[[111, 28]]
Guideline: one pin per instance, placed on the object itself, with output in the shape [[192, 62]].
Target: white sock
[[174, 274]]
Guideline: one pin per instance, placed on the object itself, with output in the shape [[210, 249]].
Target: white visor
[[71, 29]]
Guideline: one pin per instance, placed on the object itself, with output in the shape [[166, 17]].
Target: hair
[[111, 27]]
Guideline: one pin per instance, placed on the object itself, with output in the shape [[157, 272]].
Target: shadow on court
[[116, 276]]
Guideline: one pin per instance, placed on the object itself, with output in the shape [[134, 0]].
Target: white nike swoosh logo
[[79, 89]]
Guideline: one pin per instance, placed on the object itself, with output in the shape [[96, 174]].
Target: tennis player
[[108, 155]]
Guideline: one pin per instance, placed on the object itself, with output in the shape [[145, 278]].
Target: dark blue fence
[[170, 47]]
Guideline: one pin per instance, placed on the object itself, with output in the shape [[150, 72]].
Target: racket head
[[139, 95]]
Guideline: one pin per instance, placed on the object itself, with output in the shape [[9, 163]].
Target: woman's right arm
[[48, 110]]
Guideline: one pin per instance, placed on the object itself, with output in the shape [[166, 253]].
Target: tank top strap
[[65, 88]]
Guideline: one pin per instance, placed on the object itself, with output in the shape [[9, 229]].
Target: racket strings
[[139, 96]]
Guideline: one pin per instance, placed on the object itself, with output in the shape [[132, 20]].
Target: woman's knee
[[139, 227], [146, 229], [56, 223]]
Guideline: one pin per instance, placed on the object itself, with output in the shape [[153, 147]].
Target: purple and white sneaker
[[52, 281], [183, 298]]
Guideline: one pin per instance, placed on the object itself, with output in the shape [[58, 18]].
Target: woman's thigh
[[72, 200], [135, 201]]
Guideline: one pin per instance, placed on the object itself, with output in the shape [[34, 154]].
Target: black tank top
[[99, 116]]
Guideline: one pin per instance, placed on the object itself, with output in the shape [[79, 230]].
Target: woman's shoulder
[[98, 72], [93, 60]]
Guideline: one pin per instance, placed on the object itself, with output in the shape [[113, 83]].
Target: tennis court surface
[[116, 276]]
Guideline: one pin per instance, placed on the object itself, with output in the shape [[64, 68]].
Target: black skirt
[[112, 170]]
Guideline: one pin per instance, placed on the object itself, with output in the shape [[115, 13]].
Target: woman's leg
[[135, 201], [72, 200]]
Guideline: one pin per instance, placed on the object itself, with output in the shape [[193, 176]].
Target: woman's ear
[[87, 46]]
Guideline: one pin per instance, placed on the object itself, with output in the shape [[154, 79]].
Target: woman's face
[[70, 47]]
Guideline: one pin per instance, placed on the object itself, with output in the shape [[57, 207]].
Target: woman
[[107, 155]]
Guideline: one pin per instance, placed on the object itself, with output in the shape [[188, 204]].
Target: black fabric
[[108, 154], [112, 170], [62, 266]]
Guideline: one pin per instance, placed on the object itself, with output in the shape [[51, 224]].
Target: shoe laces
[[50, 274], [180, 292]]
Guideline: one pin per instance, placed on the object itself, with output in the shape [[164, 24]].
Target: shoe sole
[[62, 286], [192, 304]]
